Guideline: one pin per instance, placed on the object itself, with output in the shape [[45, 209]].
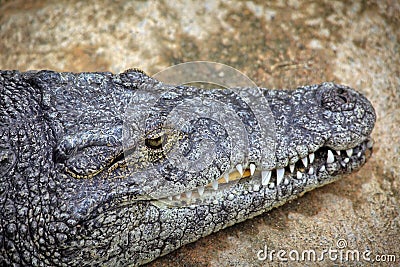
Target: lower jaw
[[322, 170]]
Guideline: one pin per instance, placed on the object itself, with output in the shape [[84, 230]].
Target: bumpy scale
[[74, 191]]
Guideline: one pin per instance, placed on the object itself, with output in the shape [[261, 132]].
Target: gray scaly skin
[[71, 196]]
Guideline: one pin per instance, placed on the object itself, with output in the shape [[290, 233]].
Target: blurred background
[[278, 44]]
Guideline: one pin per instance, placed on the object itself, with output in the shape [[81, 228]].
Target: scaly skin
[[76, 191]]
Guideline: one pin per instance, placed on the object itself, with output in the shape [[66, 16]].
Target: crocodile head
[[102, 168], [315, 134]]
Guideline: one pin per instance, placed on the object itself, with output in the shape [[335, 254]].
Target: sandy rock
[[278, 45]]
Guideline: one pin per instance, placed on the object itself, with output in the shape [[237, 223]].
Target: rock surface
[[279, 44]]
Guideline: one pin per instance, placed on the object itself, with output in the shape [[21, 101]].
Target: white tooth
[[311, 170], [188, 194], [200, 190], [169, 198], [338, 152], [359, 154], [279, 175], [322, 169], [252, 169], [312, 157], [286, 181], [215, 184], [305, 161], [256, 187], [370, 144], [299, 175], [226, 177], [239, 167], [330, 158], [265, 177], [271, 186], [291, 167], [349, 152], [346, 160], [178, 197]]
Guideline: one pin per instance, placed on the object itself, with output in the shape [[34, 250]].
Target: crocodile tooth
[[286, 181], [330, 158], [338, 152], [215, 184], [370, 143], [279, 175], [311, 170], [200, 189], [252, 168], [178, 196], [359, 154], [312, 157], [291, 167], [322, 169], [299, 175], [346, 160], [271, 186], [169, 198], [265, 177], [226, 177], [239, 167], [256, 187], [305, 161], [349, 152], [188, 194]]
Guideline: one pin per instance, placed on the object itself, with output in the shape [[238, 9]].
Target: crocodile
[[77, 191]]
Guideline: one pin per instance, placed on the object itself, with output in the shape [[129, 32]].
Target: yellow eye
[[154, 143]]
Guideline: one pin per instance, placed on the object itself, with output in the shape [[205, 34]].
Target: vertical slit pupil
[[154, 143]]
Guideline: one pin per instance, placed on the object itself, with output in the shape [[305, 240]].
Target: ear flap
[[86, 154], [90, 161]]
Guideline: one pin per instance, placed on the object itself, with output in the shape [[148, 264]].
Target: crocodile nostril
[[343, 98], [337, 99], [340, 91]]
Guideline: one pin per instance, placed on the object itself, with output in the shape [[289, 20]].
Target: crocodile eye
[[155, 143]]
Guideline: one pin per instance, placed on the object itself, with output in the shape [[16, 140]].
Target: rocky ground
[[279, 44]]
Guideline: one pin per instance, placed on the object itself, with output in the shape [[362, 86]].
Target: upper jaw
[[324, 162]]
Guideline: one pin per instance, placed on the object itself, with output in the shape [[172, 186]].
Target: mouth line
[[325, 159]]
